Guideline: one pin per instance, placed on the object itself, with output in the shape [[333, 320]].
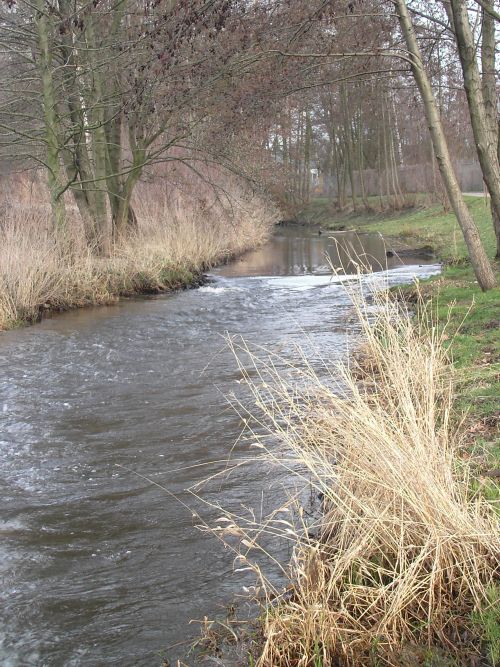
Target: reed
[[403, 557], [178, 236]]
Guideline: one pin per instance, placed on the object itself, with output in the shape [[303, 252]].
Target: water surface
[[99, 566]]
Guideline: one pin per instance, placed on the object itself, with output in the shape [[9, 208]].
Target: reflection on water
[[99, 566], [297, 252]]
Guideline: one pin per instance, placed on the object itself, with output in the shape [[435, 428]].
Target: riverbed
[[108, 416]]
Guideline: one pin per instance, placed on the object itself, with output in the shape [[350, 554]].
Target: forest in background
[[237, 106]]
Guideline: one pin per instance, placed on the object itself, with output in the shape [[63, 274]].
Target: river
[[99, 566]]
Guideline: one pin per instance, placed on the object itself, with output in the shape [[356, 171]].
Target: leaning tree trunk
[[484, 134], [490, 94], [479, 259], [494, 212]]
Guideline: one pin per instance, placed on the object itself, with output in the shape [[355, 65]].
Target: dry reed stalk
[[404, 552], [177, 237]]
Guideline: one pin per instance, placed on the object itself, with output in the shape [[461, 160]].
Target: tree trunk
[[336, 165], [75, 155], [298, 159], [494, 212], [307, 158], [113, 129], [103, 228], [392, 153], [479, 259], [348, 143], [386, 156], [479, 109], [53, 161], [343, 185], [125, 217], [490, 95], [285, 153], [361, 159], [379, 167]]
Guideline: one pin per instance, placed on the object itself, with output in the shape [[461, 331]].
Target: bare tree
[[488, 47], [481, 96], [118, 86], [479, 259]]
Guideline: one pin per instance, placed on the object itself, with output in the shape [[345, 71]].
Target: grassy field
[[472, 317]]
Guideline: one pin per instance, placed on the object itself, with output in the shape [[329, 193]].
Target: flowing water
[[99, 565]]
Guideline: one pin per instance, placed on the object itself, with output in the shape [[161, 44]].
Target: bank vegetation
[[179, 233], [396, 563]]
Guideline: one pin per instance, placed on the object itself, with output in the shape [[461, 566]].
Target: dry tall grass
[[402, 553], [178, 236]]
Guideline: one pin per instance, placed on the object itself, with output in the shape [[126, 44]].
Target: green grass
[[474, 337], [420, 225], [489, 620]]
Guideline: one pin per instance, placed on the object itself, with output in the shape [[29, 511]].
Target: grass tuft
[[399, 566]]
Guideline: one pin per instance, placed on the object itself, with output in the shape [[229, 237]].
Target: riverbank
[[398, 564], [470, 316], [420, 225], [405, 463], [43, 271]]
